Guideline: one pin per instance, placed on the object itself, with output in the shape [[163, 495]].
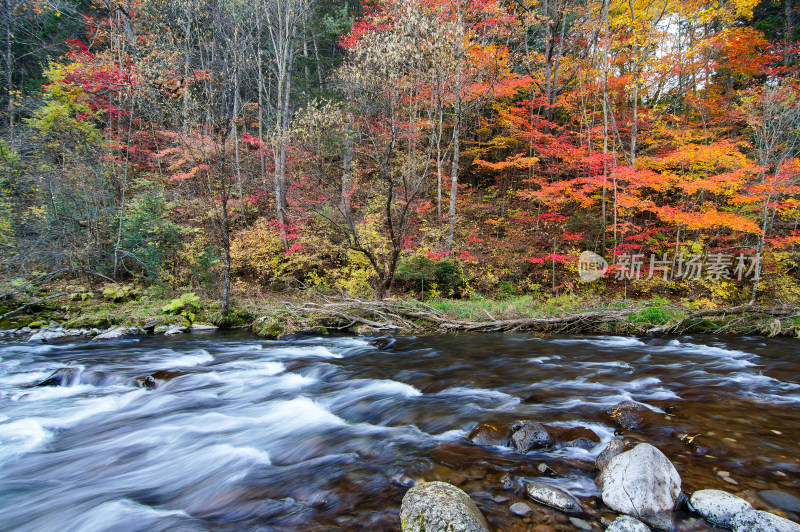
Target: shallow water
[[328, 433]]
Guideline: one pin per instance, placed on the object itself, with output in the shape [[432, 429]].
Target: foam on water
[[47, 393], [28, 378], [299, 352], [703, 350], [226, 451], [21, 436], [602, 341], [199, 357], [383, 387], [611, 364], [87, 408], [123, 514]]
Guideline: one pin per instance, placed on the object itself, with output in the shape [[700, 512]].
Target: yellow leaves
[[518, 161], [720, 156]]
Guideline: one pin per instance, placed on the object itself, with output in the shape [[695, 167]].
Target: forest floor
[[295, 311]]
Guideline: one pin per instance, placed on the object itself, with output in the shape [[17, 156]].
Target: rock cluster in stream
[[54, 331], [636, 481]]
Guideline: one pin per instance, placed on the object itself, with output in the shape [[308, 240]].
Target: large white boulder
[[642, 483]]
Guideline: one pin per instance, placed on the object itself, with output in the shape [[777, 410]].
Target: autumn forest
[[429, 148]]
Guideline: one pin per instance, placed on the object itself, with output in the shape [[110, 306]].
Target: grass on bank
[[109, 305]]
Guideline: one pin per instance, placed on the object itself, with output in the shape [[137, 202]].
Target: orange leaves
[[518, 161], [709, 218]]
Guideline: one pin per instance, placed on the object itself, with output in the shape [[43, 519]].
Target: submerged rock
[[382, 343], [546, 471], [62, 377], [529, 435], [718, 507], [120, 332], [627, 523], [553, 497], [631, 415], [488, 434], [156, 379], [439, 507], [642, 483], [781, 500], [521, 509], [612, 449], [758, 521], [580, 524], [575, 437]]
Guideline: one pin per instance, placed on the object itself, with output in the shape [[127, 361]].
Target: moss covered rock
[[440, 507]]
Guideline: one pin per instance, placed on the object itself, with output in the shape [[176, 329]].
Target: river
[[327, 433]]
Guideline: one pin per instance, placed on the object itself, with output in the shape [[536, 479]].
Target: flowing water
[[328, 433]]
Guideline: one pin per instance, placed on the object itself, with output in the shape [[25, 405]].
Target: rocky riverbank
[[53, 331], [640, 487]]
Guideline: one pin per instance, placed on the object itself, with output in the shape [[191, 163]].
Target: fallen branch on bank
[[32, 303], [393, 316], [746, 313]]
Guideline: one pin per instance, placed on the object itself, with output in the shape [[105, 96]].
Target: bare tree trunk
[[760, 249], [226, 252], [634, 119], [347, 170], [124, 191], [789, 15], [9, 70], [454, 172], [261, 156], [235, 132], [185, 105], [606, 45], [316, 58], [439, 160]]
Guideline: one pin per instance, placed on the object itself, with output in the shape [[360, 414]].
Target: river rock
[[781, 500], [439, 507], [150, 326], [546, 471], [521, 509], [718, 507], [529, 435], [627, 523], [46, 335], [574, 437], [758, 521], [62, 377], [488, 434], [580, 524], [642, 483], [156, 379], [553, 497], [174, 329], [612, 449], [120, 332], [382, 343], [199, 327], [630, 415]]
